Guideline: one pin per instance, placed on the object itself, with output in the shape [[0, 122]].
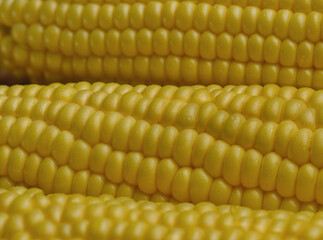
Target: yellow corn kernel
[[16, 163], [250, 169], [95, 185], [165, 173], [200, 178], [232, 165], [114, 167], [80, 182], [304, 189], [63, 180], [147, 175], [132, 163], [287, 174], [31, 169], [181, 184], [46, 173]]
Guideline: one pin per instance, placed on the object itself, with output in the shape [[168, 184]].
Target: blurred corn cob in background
[[31, 215]]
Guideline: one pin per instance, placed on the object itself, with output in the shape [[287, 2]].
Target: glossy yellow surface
[[241, 159]]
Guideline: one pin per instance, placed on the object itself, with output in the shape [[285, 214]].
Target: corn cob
[[252, 146], [29, 214], [181, 43], [293, 5]]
